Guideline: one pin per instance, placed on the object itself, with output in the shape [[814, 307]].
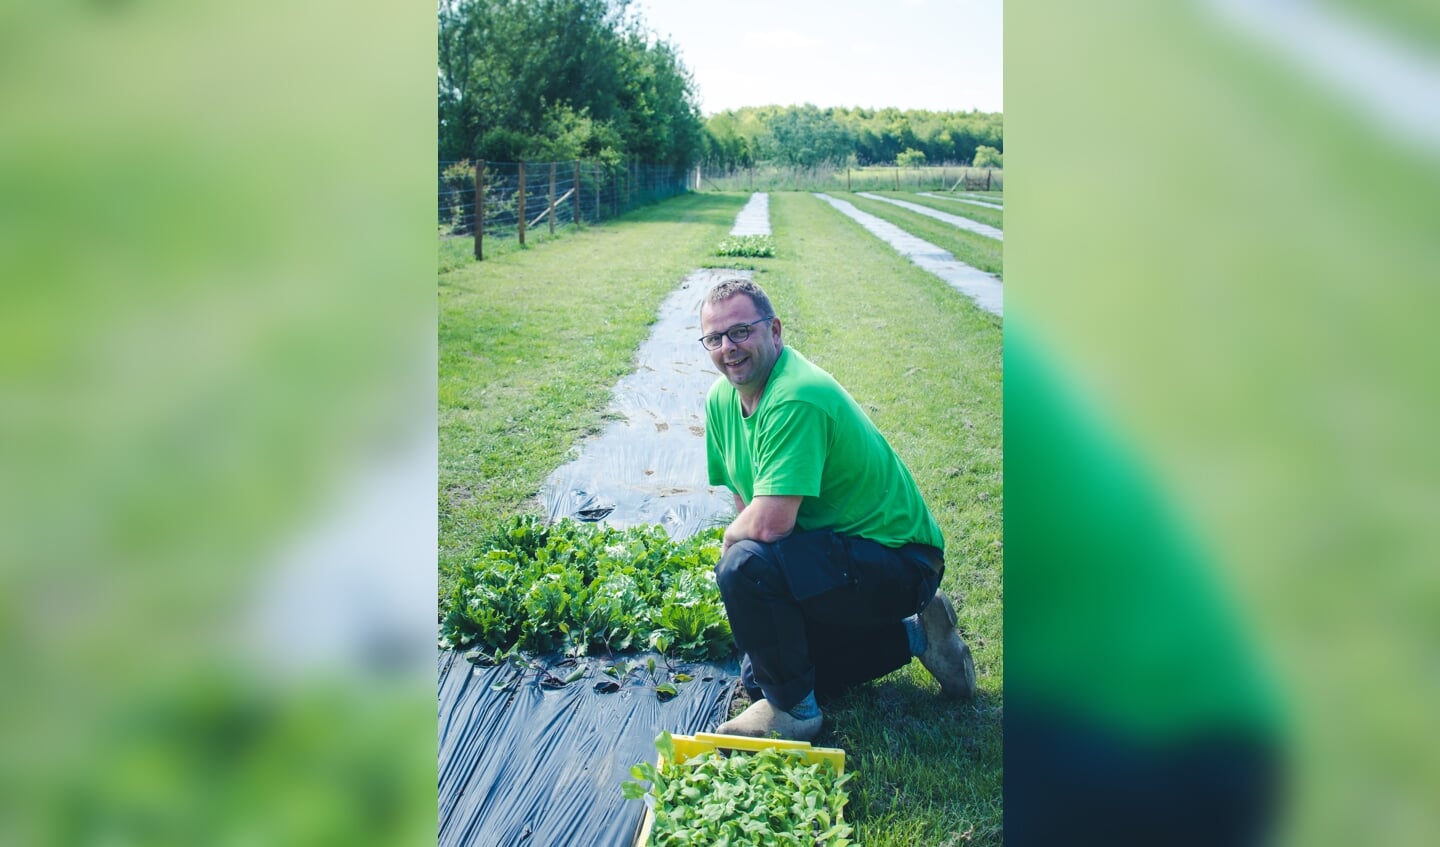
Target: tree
[[806, 135], [988, 157], [910, 158], [560, 79]]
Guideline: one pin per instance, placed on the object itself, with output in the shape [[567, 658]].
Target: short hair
[[727, 288]]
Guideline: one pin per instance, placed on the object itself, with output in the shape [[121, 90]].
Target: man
[[829, 571]]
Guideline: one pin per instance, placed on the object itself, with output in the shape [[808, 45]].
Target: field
[[975, 250], [530, 347]]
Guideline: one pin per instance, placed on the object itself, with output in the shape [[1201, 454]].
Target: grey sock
[[806, 709], [916, 631]]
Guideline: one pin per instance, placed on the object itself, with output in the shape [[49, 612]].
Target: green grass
[[457, 251], [979, 214], [978, 251], [527, 360], [995, 196]]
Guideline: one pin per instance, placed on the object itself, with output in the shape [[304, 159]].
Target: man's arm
[[766, 518]]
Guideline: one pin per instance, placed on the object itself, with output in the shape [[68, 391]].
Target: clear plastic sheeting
[[972, 201], [754, 219], [954, 220], [979, 286], [649, 467], [528, 764]]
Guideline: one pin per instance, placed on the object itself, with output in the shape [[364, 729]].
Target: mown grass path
[[966, 200], [982, 288], [975, 250], [959, 221]]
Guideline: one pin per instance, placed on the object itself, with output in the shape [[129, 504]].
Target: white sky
[[943, 55]]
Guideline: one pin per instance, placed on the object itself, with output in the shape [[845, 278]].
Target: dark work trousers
[[821, 612]]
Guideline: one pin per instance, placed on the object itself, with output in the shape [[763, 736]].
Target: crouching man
[[829, 571]]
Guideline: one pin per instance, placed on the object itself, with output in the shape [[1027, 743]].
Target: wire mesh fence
[[828, 177], [519, 197]]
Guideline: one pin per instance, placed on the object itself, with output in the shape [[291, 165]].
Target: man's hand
[[767, 518]]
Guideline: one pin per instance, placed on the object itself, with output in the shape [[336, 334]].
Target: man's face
[[747, 364]]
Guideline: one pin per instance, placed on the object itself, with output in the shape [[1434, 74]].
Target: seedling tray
[[706, 742]]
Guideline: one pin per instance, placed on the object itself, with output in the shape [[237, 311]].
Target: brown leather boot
[[947, 656]]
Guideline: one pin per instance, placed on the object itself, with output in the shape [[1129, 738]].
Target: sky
[[942, 55]]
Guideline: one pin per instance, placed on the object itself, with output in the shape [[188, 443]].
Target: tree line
[[556, 80], [807, 135]]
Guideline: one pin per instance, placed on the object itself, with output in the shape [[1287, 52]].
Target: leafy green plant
[[663, 681], [753, 246], [773, 796], [582, 588], [575, 670]]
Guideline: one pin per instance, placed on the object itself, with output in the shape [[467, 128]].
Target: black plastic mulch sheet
[[528, 765]]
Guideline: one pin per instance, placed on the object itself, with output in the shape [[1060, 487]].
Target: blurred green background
[[217, 390], [1230, 252], [216, 364]]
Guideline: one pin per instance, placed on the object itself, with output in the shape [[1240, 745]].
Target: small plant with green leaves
[[772, 796], [522, 666], [750, 246], [583, 589], [664, 681]]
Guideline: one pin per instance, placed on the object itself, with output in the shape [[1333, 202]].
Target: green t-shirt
[[808, 437]]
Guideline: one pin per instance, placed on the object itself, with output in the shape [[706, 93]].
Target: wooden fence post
[[479, 210], [575, 203], [614, 193], [522, 203], [987, 179], [897, 179], [847, 179], [550, 205]]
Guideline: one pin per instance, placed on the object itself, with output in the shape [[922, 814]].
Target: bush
[[911, 158], [988, 157]]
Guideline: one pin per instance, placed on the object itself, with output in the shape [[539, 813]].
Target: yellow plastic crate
[[706, 742]]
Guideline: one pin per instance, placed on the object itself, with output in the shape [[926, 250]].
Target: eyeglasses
[[737, 334]]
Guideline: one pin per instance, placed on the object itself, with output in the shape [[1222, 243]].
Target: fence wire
[[547, 196], [829, 177]]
